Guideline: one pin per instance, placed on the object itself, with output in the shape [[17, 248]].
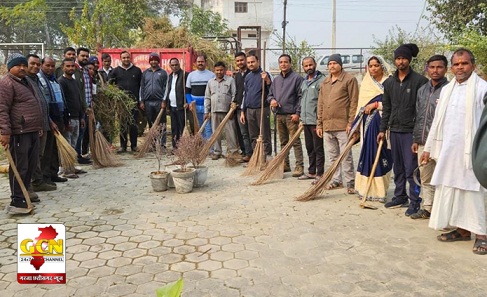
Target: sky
[[357, 20]]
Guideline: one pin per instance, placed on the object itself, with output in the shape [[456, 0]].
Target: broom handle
[[203, 126], [184, 89], [372, 172], [262, 109], [18, 178]]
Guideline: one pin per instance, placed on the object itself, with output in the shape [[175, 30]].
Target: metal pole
[[334, 27], [284, 23]]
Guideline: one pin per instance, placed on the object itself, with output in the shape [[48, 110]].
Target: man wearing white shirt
[[459, 198]]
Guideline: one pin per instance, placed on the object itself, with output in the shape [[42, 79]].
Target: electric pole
[[334, 27], [284, 23]]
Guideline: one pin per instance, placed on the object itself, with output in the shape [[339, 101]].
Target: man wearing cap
[[337, 103], [398, 114], [20, 125], [152, 91]]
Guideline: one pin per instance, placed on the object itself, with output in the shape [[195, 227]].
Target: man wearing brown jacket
[[337, 103], [20, 125]]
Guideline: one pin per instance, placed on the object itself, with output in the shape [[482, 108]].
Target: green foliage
[[24, 21], [427, 42], [295, 50], [106, 23], [204, 23], [475, 42], [113, 107], [171, 290], [452, 17]]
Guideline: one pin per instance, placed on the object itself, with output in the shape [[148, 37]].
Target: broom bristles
[[257, 161], [216, 134], [67, 154], [275, 163], [233, 159], [144, 149], [102, 154], [319, 187]]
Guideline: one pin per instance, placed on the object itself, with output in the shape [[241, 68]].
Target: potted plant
[[201, 171], [158, 178], [183, 177]]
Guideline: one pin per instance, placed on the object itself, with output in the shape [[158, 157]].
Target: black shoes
[[82, 160], [397, 202], [58, 179]]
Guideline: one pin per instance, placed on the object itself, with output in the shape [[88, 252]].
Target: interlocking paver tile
[[84, 256], [92, 263], [210, 265], [128, 270], [121, 289], [119, 262], [139, 278], [145, 260], [167, 276], [173, 242], [117, 239], [125, 246]]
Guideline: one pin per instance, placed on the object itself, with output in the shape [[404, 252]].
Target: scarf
[[443, 102], [369, 87]]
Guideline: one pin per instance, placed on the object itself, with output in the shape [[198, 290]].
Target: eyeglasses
[[174, 65]]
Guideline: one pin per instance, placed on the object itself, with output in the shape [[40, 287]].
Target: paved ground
[[230, 239]]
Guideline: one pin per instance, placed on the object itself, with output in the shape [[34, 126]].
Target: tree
[[106, 23], [204, 23], [297, 51], [452, 17], [24, 21], [427, 42]]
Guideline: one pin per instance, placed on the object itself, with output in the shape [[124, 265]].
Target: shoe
[[122, 151], [19, 203], [33, 196], [413, 208], [298, 171], [44, 187], [79, 171], [397, 202], [421, 214], [82, 160], [134, 149], [70, 175], [287, 168], [245, 159], [216, 157], [58, 179]]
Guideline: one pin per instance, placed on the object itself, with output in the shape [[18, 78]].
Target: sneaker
[[19, 203], [122, 151], [82, 160], [44, 187], [412, 209], [298, 171], [397, 202], [33, 196], [421, 214], [58, 179]]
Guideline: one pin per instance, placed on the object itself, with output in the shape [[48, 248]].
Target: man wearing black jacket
[[175, 100], [243, 129], [127, 77], [399, 111]]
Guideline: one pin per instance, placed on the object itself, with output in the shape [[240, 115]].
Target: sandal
[[351, 191], [316, 180], [454, 236], [334, 185], [306, 176], [480, 246]]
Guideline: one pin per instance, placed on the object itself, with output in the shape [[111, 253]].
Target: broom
[[148, 141], [68, 157], [257, 161], [371, 177], [196, 125], [205, 122], [101, 152], [272, 169], [216, 134], [319, 187]]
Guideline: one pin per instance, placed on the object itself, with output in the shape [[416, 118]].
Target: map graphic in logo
[[41, 254]]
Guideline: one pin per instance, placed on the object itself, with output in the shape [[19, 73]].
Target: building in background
[[244, 13]]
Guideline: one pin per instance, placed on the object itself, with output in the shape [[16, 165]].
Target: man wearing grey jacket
[[310, 90], [284, 97]]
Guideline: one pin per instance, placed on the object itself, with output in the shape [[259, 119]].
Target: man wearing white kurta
[[460, 196]]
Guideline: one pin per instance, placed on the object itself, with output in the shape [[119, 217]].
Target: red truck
[[140, 57]]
